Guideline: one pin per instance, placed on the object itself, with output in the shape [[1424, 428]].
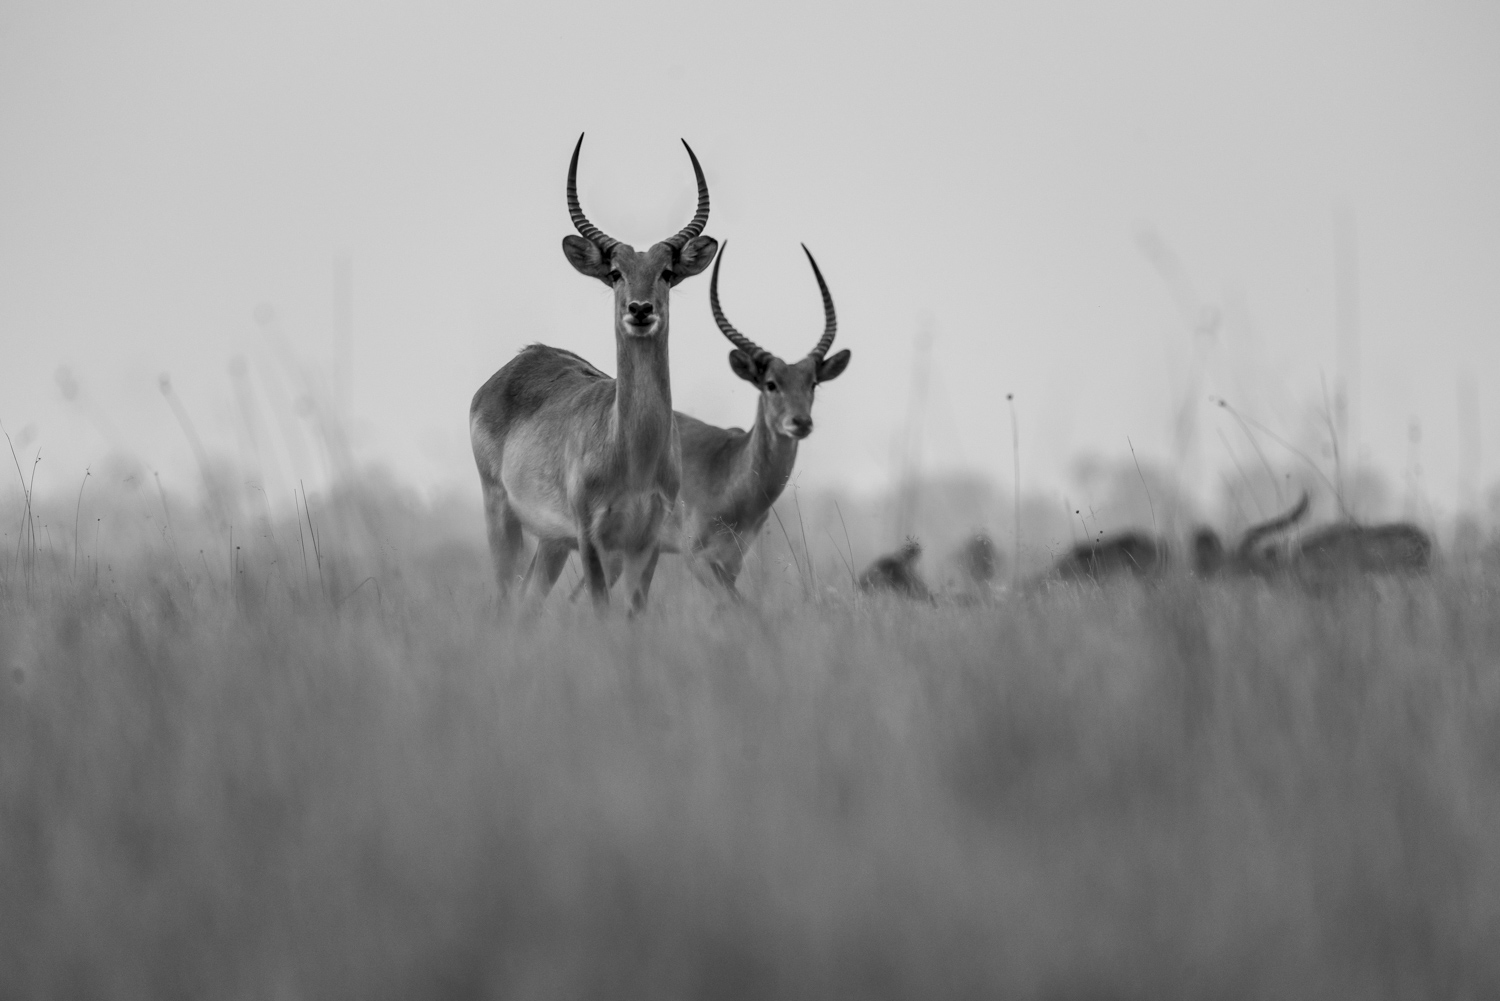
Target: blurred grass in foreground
[[295, 789]]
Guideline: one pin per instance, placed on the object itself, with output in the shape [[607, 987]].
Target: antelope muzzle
[[640, 317]]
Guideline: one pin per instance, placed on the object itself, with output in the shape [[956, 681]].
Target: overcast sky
[[1011, 180]]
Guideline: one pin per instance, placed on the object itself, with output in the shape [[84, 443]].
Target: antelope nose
[[640, 311], [802, 425]]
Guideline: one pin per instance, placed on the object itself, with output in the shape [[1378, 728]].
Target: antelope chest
[[630, 521]]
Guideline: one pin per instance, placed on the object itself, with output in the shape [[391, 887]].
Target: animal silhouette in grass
[[977, 561], [896, 573], [1139, 554], [1398, 547], [971, 569], [1129, 553], [1250, 556]]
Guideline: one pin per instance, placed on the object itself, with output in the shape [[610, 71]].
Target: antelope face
[[641, 280], [786, 391]]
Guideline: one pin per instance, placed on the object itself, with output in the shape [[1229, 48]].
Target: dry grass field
[[369, 786]]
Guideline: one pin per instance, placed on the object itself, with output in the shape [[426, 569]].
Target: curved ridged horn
[[589, 231], [830, 321], [700, 218], [1255, 533], [739, 340]]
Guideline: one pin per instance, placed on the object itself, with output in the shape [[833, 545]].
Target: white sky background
[[981, 171]]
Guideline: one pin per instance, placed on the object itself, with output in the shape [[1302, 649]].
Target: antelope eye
[[771, 385], [668, 275], [614, 276]]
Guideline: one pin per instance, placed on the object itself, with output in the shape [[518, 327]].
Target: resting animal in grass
[[977, 561], [1393, 548], [1132, 553], [897, 572], [1249, 557]]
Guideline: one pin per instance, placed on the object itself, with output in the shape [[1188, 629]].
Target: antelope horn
[[830, 321], [700, 218], [588, 230], [739, 340]]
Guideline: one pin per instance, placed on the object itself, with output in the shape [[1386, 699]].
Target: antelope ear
[[585, 257], [694, 257], [744, 367], [831, 368]]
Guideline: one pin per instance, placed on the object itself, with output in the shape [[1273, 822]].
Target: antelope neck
[[643, 398], [767, 458]]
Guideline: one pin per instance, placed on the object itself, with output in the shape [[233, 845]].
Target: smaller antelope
[[897, 572], [1394, 548], [1210, 557], [1133, 553]]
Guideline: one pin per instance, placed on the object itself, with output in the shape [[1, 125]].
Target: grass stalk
[[1333, 436], [850, 562], [1249, 487], [806, 553], [26, 502], [791, 549], [77, 509], [312, 531], [302, 542], [1142, 476], [1265, 464], [1015, 459], [1280, 441], [31, 514]]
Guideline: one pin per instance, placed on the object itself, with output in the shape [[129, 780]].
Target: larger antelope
[[731, 477], [578, 459]]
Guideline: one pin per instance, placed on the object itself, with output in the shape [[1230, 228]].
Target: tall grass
[[281, 789]]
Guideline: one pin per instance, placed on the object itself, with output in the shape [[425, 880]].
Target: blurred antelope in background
[[970, 570], [1210, 557], [578, 459], [897, 572], [1396, 547], [731, 477], [977, 562], [1133, 553]]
